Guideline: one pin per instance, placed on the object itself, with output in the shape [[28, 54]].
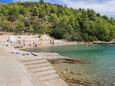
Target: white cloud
[[104, 7]]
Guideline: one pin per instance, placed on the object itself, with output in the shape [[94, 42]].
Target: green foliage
[[58, 33], [20, 27], [6, 25], [59, 21]]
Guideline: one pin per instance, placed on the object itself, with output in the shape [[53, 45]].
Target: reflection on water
[[101, 57]]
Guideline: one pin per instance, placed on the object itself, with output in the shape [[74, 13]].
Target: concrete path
[[12, 72], [19, 70]]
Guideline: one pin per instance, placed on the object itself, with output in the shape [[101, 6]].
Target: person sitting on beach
[[24, 43], [52, 41], [30, 45], [19, 42], [38, 44], [34, 44]]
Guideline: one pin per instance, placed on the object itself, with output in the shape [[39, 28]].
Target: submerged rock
[[67, 60], [71, 78]]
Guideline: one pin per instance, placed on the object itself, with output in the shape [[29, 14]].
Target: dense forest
[[58, 21]]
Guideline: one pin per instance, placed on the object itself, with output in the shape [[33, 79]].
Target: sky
[[105, 7]]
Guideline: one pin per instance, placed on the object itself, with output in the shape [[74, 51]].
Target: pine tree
[[41, 1]]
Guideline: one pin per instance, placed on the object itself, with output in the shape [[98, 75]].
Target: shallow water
[[101, 57]]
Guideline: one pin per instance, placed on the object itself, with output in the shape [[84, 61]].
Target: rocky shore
[[68, 75], [71, 78], [67, 60]]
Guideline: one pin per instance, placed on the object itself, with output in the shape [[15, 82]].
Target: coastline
[[31, 41], [69, 76], [18, 54], [23, 54], [26, 41], [10, 47]]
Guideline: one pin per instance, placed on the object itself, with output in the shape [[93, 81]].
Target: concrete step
[[32, 59], [49, 77], [52, 57], [47, 54], [35, 62], [48, 72], [42, 69], [39, 65]]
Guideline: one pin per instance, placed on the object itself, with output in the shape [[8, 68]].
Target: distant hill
[[59, 21]]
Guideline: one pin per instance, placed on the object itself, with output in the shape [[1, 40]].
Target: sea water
[[101, 58]]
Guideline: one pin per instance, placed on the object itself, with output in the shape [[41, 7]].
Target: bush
[[58, 33]]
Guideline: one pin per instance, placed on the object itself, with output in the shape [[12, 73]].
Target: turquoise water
[[101, 58]]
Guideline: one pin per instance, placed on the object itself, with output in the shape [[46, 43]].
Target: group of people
[[23, 43], [33, 44]]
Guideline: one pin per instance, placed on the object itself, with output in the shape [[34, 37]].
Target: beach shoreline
[[69, 76], [33, 41], [11, 48], [21, 55]]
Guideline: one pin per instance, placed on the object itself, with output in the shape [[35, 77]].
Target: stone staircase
[[49, 56], [42, 70]]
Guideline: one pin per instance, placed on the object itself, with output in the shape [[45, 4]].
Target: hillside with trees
[[58, 21]]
